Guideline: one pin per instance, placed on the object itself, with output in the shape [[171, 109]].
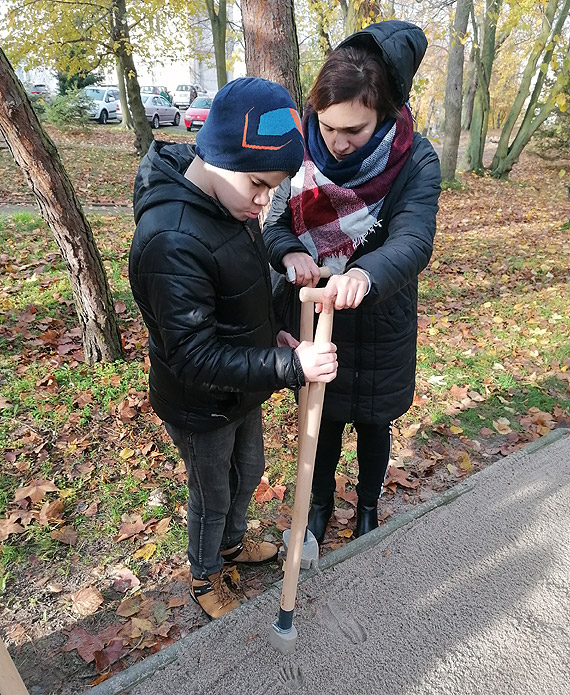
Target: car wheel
[[155, 121], [103, 117], [189, 128], [177, 119]]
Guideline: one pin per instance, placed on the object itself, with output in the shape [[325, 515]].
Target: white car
[[104, 102], [184, 95]]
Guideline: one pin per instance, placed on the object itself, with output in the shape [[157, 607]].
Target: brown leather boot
[[214, 596], [251, 552]]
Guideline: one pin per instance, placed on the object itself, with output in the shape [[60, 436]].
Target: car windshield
[[201, 103], [183, 88], [147, 90], [96, 94]]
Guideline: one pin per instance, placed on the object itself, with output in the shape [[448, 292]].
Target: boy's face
[[244, 194]]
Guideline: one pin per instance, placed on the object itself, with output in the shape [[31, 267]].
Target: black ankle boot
[[366, 518], [319, 515]]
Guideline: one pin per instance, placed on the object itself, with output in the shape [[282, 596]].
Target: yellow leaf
[[411, 431], [146, 552], [465, 461], [235, 575], [435, 265], [345, 533], [126, 453], [455, 429], [66, 492]]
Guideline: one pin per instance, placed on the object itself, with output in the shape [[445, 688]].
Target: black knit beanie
[[252, 126]]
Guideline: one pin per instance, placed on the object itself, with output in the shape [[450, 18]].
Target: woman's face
[[346, 127]]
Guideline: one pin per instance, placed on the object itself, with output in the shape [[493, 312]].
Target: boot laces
[[221, 587]]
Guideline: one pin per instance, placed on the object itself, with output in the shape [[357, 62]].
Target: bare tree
[[219, 24], [38, 158], [271, 44]]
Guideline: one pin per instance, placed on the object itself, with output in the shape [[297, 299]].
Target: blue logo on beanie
[[271, 124]]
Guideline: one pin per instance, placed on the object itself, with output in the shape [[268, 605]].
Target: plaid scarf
[[335, 204]]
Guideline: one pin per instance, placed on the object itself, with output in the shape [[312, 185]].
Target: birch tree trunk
[[271, 44], [38, 158]]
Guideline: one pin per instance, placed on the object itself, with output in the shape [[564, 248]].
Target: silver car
[[159, 110]]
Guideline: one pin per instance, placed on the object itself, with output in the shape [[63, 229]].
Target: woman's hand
[[285, 339], [344, 291], [318, 361], [307, 273]]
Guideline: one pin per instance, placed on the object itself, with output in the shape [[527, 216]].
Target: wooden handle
[[11, 682], [309, 424], [311, 294]]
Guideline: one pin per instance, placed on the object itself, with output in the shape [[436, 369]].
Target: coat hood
[[161, 179], [401, 45]]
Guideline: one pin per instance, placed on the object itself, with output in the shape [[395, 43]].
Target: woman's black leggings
[[373, 444]]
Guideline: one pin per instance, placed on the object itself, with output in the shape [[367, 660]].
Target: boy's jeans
[[224, 467]]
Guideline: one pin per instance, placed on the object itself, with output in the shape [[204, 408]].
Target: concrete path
[[467, 595]]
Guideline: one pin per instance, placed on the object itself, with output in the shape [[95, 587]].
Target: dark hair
[[352, 73]]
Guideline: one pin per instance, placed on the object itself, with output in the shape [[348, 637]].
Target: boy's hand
[[343, 291], [307, 272], [318, 361], [285, 339]]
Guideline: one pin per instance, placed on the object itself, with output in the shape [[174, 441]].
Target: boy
[[199, 273]]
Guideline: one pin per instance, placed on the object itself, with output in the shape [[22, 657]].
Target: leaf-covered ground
[[93, 574], [100, 160]]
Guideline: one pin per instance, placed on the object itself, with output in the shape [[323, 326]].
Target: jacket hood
[[161, 179], [401, 45]]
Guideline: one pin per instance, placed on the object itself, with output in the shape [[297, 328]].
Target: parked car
[[159, 110], [184, 95], [40, 91], [104, 100], [197, 112], [156, 89]]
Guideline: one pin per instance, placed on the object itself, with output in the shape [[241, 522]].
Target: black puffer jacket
[[201, 281], [377, 342]]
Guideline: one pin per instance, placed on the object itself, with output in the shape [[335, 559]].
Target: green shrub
[[71, 109]]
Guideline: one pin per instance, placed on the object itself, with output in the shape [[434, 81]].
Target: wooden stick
[[306, 461], [11, 682], [306, 333]]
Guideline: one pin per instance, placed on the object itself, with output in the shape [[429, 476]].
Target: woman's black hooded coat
[[377, 342]]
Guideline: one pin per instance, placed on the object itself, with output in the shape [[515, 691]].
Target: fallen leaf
[[85, 644], [86, 601], [345, 533], [9, 526], [177, 601], [126, 453], [125, 580], [129, 529], [410, 431], [502, 425], [65, 534], [35, 490], [146, 552], [129, 606]]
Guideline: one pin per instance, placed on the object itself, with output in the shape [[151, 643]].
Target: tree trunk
[[124, 53], [545, 41], [360, 13], [38, 158], [484, 59], [125, 109], [271, 45], [454, 91], [469, 92], [219, 24], [431, 109]]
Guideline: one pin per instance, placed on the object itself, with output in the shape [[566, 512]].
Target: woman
[[364, 203]]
